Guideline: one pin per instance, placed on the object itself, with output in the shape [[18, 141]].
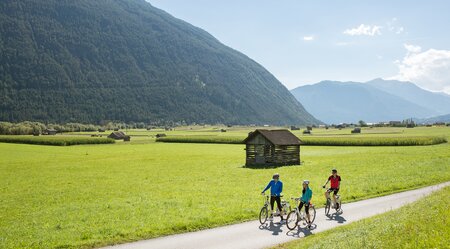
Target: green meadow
[[54, 140], [92, 195], [422, 224]]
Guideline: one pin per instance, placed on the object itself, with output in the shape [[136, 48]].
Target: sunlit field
[[422, 224], [93, 195]]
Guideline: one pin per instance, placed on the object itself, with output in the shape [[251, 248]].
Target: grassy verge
[[55, 140], [318, 141], [422, 224]]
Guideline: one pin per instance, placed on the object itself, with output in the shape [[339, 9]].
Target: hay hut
[[117, 135], [272, 148], [49, 132], [356, 130]]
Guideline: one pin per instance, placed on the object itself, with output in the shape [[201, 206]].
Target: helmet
[[276, 175], [306, 182], [334, 170]]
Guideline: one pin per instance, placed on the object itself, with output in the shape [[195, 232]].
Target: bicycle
[[295, 217], [264, 213], [328, 205]]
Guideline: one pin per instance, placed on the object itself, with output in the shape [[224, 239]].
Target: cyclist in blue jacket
[[276, 187], [305, 200]]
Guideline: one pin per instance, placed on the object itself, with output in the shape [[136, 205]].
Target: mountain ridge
[[339, 102], [90, 61]]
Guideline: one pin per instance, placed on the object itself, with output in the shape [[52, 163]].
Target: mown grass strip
[[422, 224], [55, 140], [373, 141], [318, 141], [202, 139]]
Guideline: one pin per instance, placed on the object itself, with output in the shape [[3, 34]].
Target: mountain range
[[432, 120], [125, 60], [374, 101]]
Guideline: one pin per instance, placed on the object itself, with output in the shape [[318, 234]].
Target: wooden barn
[[117, 135], [272, 148], [49, 132]]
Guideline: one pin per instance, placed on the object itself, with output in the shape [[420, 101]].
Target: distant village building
[[272, 148], [395, 123]]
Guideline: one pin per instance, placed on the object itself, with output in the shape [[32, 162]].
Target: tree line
[[30, 128]]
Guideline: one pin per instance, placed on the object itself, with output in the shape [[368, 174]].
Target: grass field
[[54, 140], [93, 195], [317, 141], [422, 224]]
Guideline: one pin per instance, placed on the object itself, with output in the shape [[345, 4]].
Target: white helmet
[[306, 182]]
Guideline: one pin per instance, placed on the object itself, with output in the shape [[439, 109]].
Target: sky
[[304, 42]]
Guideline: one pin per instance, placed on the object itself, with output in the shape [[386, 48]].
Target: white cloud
[[364, 30], [308, 38], [394, 26], [429, 69], [412, 48]]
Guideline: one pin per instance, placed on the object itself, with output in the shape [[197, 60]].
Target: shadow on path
[[275, 228], [337, 217], [301, 231]]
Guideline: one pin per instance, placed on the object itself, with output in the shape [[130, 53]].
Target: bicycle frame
[[284, 204], [300, 214]]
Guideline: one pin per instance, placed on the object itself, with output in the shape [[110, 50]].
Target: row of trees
[[29, 127]]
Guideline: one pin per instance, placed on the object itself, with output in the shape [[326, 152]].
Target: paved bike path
[[252, 234]]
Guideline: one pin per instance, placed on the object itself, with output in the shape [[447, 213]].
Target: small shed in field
[[117, 135], [272, 148], [49, 131]]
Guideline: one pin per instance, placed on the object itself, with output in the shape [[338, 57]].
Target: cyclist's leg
[[300, 206], [307, 212], [334, 196], [272, 202], [280, 208]]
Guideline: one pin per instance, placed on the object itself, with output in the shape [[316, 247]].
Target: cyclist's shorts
[[334, 190], [306, 206]]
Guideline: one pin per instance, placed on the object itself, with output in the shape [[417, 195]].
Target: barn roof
[[117, 135], [276, 137]]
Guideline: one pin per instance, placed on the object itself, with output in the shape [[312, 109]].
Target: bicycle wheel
[[286, 210], [292, 220], [327, 207], [339, 210], [312, 213], [263, 215]]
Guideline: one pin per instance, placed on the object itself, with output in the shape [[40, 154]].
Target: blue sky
[[303, 42]]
